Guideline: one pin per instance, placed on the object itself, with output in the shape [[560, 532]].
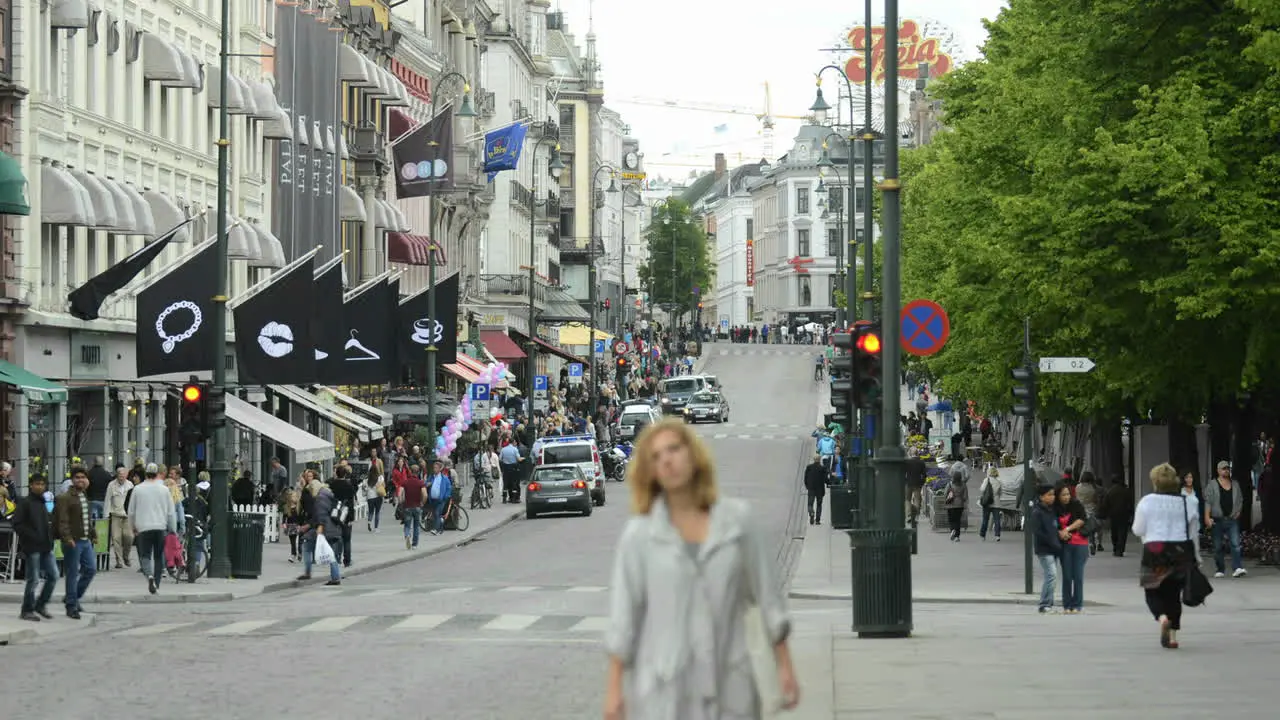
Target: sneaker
[[304, 577], [44, 613], [30, 616], [997, 538], [1219, 574], [73, 613], [407, 543], [151, 585], [1240, 572], [333, 582]]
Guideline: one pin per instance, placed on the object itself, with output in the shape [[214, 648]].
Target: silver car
[[557, 488]]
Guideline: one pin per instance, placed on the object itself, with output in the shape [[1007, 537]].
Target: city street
[[508, 624]]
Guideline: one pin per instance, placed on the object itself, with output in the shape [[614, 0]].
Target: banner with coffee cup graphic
[[418, 330]]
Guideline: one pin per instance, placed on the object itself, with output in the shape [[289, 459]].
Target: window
[[833, 242], [802, 243], [802, 201], [146, 106], [860, 200], [806, 290], [6, 39], [566, 175], [751, 229]]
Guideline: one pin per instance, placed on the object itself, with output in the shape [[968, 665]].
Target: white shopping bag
[[324, 553]]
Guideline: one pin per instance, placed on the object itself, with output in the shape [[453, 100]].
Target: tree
[[1112, 175], [679, 257]]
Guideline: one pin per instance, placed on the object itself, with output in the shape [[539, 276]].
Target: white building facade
[[735, 229]]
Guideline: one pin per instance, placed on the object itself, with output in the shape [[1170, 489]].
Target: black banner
[[368, 349], [273, 331], [175, 319], [306, 70], [327, 327], [416, 330], [422, 159], [87, 299]]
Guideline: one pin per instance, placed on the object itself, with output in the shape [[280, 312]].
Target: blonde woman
[[1166, 521], [686, 570]]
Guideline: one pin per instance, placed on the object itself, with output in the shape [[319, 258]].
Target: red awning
[[501, 346], [461, 372], [476, 367], [557, 351], [399, 123], [408, 249]]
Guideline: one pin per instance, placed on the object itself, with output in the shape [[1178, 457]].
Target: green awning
[[13, 187], [36, 388]]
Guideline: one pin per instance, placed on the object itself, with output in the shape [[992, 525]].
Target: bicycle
[[200, 534], [458, 514], [482, 494]]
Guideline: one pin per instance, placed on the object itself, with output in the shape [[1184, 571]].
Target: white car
[[635, 418]]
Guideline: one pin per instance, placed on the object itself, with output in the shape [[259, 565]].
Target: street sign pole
[[1028, 479]]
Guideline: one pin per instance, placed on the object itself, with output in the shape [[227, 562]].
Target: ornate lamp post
[[591, 277], [555, 166]]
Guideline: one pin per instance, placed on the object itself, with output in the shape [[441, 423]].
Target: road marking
[[719, 436], [588, 588], [384, 592], [332, 624], [451, 591], [591, 624], [242, 627], [510, 622], [153, 629], [420, 622], [519, 588], [754, 425]]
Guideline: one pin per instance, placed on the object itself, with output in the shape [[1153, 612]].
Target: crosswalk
[[440, 623], [792, 350], [445, 590]]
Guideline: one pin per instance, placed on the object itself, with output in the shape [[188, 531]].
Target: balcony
[[486, 103], [546, 129], [576, 251], [520, 195], [512, 288], [551, 207]]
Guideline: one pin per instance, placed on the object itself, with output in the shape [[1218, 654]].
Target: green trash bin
[[248, 531], [840, 506], [881, 582]]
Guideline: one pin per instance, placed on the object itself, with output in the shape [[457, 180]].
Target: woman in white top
[[1165, 520], [1189, 491]]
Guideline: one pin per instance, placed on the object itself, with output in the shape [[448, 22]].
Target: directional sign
[[598, 346], [540, 401], [925, 327], [1066, 365], [480, 399], [620, 348], [575, 373]]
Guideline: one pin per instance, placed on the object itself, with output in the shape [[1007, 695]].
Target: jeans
[[1048, 568], [375, 511], [151, 553], [815, 508], [80, 565], [437, 514], [309, 557], [97, 509], [988, 513], [1230, 528], [345, 555], [39, 564], [413, 520], [1073, 560]]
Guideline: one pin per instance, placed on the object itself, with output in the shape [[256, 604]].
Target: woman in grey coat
[[322, 522], [689, 571]]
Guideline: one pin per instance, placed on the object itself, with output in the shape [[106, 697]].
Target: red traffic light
[[192, 393], [869, 343], [622, 362]]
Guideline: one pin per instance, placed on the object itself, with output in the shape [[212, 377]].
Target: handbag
[[399, 513], [1196, 587]]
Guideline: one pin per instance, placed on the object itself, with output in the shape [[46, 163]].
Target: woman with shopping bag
[[323, 541]]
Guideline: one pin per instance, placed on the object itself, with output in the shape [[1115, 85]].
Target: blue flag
[[502, 147]]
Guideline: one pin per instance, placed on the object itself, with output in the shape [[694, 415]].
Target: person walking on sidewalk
[[412, 497], [440, 493], [1090, 496], [1047, 545], [1165, 521], [1075, 548], [119, 529], [34, 530], [1117, 509], [323, 523], [815, 483], [988, 495], [152, 517], [75, 528], [956, 501], [1223, 503]]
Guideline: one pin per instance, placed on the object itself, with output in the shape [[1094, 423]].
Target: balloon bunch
[[447, 440]]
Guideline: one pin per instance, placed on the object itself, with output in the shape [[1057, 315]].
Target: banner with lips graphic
[[273, 331]]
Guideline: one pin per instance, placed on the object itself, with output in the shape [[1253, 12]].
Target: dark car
[[707, 405], [676, 392], [557, 488]]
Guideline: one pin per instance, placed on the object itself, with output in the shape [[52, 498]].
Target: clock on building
[[631, 160]]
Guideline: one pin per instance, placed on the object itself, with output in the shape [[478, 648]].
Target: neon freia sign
[[912, 50]]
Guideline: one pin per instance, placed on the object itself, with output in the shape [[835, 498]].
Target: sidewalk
[[370, 552], [13, 630]]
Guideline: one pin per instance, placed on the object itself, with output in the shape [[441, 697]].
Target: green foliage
[[1111, 173], [679, 257]]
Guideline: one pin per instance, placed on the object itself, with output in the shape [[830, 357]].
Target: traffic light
[[866, 370], [623, 366], [1024, 391], [699, 306], [842, 379], [193, 419], [215, 404]]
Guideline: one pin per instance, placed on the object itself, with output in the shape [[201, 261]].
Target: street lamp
[[591, 276], [833, 198], [554, 168], [622, 270], [820, 109], [465, 110]]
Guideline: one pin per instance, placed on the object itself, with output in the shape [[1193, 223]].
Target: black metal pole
[[1028, 478], [533, 321], [868, 174]]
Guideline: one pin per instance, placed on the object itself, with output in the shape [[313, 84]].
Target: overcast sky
[[711, 51]]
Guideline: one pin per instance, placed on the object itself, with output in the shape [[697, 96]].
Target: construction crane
[[764, 114]]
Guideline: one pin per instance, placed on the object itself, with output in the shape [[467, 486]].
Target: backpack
[[988, 495]]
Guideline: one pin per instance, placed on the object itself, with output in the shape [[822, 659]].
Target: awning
[[142, 215], [248, 102], [476, 367], [124, 206], [242, 241], [305, 446], [400, 221], [363, 428], [501, 346], [213, 95], [13, 187], [161, 60], [104, 203], [272, 252], [562, 308], [167, 214], [350, 206], [544, 346], [393, 90], [192, 76], [579, 334], [408, 249], [329, 145], [36, 388], [353, 68], [300, 134], [362, 408], [461, 372], [278, 128], [63, 200], [70, 14], [264, 99], [390, 218]]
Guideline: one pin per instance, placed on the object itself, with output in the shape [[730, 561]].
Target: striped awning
[[409, 249]]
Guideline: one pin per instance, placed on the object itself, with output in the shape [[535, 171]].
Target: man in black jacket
[[34, 528], [1043, 524], [815, 482]]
